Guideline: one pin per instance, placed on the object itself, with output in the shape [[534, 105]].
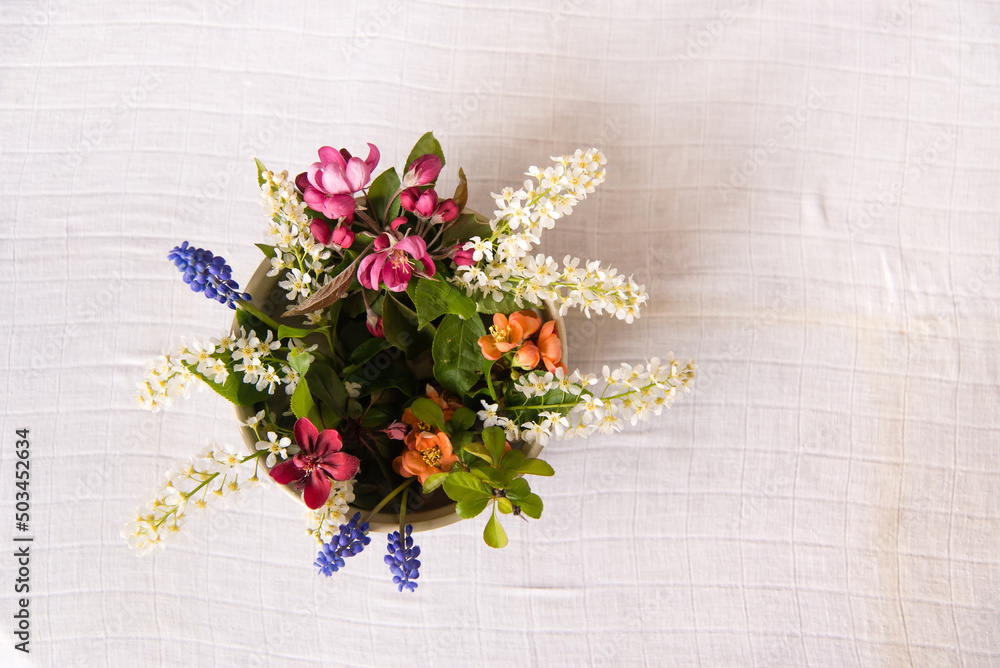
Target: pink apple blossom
[[393, 262], [328, 186], [422, 171]]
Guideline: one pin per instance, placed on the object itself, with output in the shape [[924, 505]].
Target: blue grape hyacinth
[[402, 559], [208, 274], [350, 541]]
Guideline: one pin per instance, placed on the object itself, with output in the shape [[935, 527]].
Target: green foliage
[[260, 171], [494, 534], [457, 357], [268, 251], [302, 401], [434, 481], [288, 332], [426, 144], [234, 389], [327, 387], [461, 419], [464, 227], [434, 298], [495, 441], [385, 186], [428, 412], [462, 486], [299, 361]]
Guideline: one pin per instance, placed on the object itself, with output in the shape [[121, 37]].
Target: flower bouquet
[[398, 360]]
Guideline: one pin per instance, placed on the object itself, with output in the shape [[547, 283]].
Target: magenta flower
[[320, 460], [374, 325], [328, 186], [421, 203], [340, 236], [393, 262], [445, 212], [462, 257], [422, 171], [397, 430]]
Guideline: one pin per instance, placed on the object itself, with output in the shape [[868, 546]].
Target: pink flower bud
[[423, 170], [374, 325], [408, 199], [320, 230], [342, 236], [446, 212], [462, 257], [397, 430], [426, 204]]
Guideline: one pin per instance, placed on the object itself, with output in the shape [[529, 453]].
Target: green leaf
[[326, 386], [531, 506], [512, 460], [534, 467], [248, 321], [433, 298], [365, 352], [457, 356], [234, 389], [428, 412], [493, 534], [260, 171], [488, 375], [268, 251], [299, 361], [399, 324], [302, 401], [488, 474], [462, 190], [462, 486], [495, 441], [518, 489], [469, 509], [505, 506], [464, 227], [381, 189], [478, 450], [434, 481], [462, 419], [287, 332], [426, 144]]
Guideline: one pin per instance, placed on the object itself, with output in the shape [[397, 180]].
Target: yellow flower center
[[432, 457], [499, 335]]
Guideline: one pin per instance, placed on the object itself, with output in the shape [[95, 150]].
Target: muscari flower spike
[[402, 561], [351, 540], [208, 274]]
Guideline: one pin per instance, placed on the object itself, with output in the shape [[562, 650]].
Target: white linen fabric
[[810, 192]]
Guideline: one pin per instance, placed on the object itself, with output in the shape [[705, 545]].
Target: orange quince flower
[[550, 347], [527, 357], [507, 334], [428, 454]]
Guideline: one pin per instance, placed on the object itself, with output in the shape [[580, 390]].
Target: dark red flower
[[320, 460]]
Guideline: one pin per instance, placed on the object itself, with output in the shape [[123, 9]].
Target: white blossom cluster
[[505, 264], [631, 393], [297, 253], [167, 377], [324, 522], [215, 475]]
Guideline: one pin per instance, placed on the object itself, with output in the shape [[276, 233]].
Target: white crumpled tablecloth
[[810, 192]]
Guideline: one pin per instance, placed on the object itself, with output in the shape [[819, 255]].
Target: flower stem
[[257, 313], [402, 513], [389, 497]]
